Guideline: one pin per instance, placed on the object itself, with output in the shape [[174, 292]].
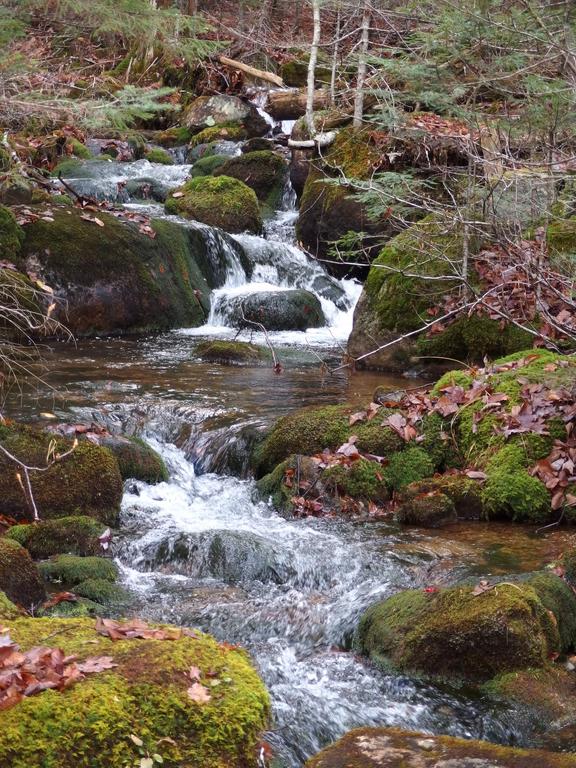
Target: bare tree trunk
[[312, 67], [361, 76]]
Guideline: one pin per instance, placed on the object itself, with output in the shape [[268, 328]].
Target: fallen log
[[290, 105], [259, 74], [319, 140]]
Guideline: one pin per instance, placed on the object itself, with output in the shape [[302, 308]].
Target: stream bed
[[199, 550]]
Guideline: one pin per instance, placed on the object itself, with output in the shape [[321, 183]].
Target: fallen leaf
[[198, 693]]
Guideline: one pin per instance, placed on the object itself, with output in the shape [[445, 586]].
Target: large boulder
[[293, 310], [136, 459], [19, 577], [393, 748], [472, 633], [263, 171], [114, 279], [87, 481], [210, 111], [397, 301], [148, 698], [220, 202]]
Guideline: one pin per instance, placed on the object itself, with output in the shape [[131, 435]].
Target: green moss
[[272, 486], [79, 150], [263, 171], [72, 569], [516, 495], [77, 609], [464, 495], [7, 608], [407, 467], [144, 695], [207, 164], [11, 235], [137, 460], [68, 168], [569, 565], [159, 156], [19, 578], [85, 482], [455, 633], [220, 202], [76, 535], [310, 430], [103, 592], [5, 160], [229, 132], [362, 480], [354, 154], [561, 235]]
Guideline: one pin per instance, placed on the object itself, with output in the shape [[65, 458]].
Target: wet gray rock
[[208, 111], [293, 310]]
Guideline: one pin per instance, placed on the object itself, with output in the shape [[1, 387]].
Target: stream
[[199, 550]]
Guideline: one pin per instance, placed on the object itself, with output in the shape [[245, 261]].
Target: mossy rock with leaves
[[139, 707], [86, 482], [394, 748], [263, 171], [206, 165], [220, 202], [394, 303], [311, 430], [136, 459], [228, 132], [474, 634], [440, 500], [19, 577], [113, 279], [75, 535]]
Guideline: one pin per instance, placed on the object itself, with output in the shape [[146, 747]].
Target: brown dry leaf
[[194, 673], [481, 587], [134, 629], [356, 417], [96, 664], [198, 693]]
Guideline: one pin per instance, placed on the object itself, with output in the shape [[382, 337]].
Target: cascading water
[[199, 550]]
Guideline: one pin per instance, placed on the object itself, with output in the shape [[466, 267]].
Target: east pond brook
[[200, 549]]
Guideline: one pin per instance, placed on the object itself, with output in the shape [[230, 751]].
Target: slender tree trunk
[[362, 56], [312, 67], [335, 56]]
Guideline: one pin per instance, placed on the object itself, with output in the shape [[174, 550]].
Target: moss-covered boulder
[[432, 509], [393, 748], [87, 481], [206, 141], [214, 111], [103, 592], [393, 304], [440, 500], [231, 352], [291, 310], [311, 430], [265, 172], [136, 459], [71, 570], [206, 166], [159, 155], [19, 577], [147, 188], [144, 698], [328, 208], [220, 202], [75, 535], [114, 279], [470, 633], [11, 235]]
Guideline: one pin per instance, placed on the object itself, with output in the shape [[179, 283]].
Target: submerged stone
[[394, 748], [292, 310]]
